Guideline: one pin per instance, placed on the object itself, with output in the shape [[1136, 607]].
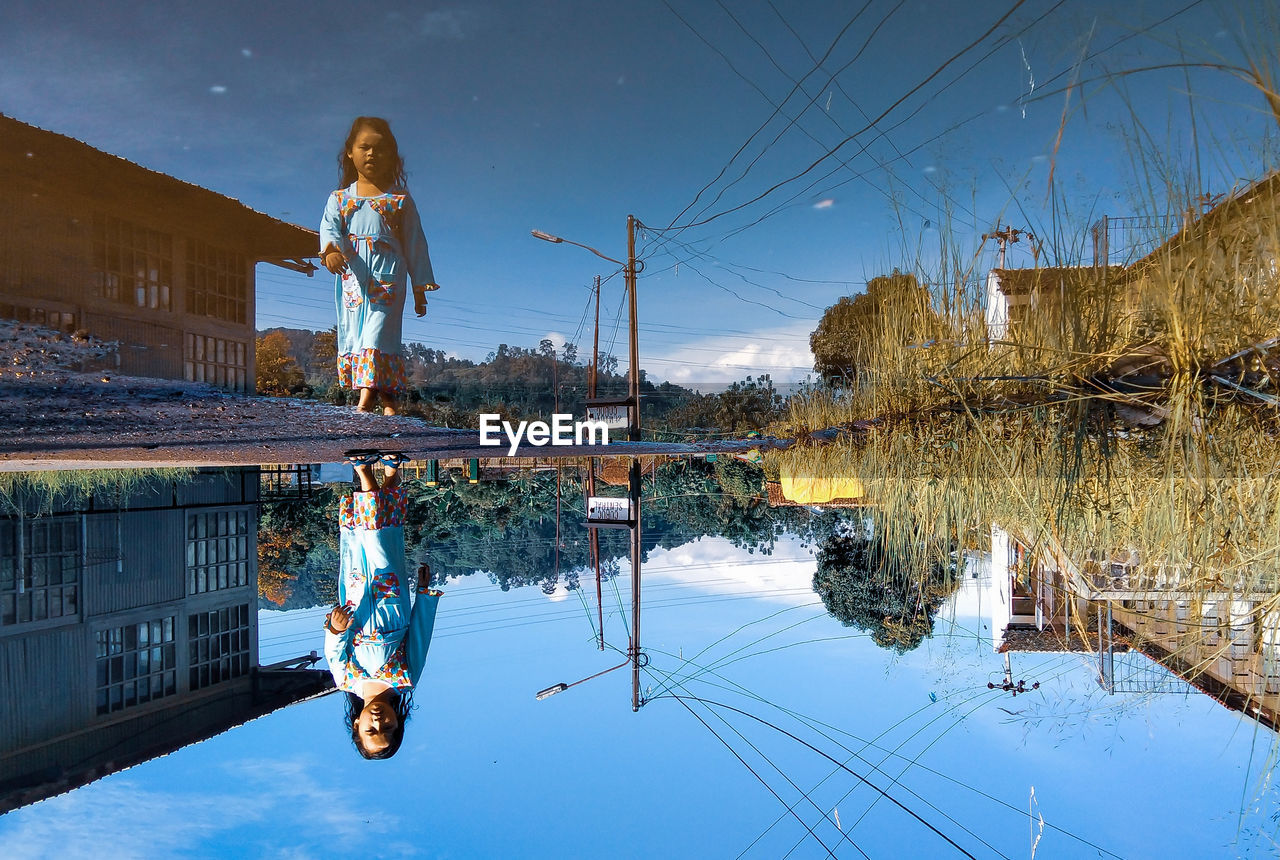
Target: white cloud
[[713, 362]]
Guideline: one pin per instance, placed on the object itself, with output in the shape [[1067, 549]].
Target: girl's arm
[[421, 277], [421, 624], [337, 653], [333, 230]]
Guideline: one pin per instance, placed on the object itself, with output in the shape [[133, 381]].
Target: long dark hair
[[403, 705], [347, 170]]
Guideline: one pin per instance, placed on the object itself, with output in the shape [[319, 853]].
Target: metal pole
[[593, 536], [595, 347], [635, 582], [634, 429]]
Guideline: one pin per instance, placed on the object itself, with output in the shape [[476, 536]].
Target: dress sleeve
[[415, 248], [338, 654], [421, 625], [333, 233]]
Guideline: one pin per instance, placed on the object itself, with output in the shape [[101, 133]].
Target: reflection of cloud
[[443, 24], [129, 821], [783, 353], [715, 565], [126, 821]]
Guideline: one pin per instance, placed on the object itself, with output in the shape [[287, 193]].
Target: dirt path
[[64, 419]]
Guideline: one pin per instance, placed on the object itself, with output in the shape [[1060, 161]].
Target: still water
[[136, 719]]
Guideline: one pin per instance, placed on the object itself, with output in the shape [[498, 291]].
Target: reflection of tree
[[507, 528], [864, 587]]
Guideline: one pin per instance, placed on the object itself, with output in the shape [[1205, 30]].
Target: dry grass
[[1027, 431]]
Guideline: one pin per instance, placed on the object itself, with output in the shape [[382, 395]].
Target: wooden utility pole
[[1005, 237], [595, 347], [633, 433]]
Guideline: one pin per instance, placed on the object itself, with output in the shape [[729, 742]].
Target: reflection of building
[[130, 630], [1225, 644], [92, 241]]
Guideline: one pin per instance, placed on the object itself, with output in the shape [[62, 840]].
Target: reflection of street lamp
[[630, 269], [561, 687]]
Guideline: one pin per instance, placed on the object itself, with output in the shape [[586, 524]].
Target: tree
[[278, 371], [894, 308], [324, 357], [862, 586]]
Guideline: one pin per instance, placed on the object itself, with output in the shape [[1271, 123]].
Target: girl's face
[[371, 155], [375, 725]]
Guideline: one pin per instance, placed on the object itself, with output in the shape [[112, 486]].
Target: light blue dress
[[386, 251], [389, 634]]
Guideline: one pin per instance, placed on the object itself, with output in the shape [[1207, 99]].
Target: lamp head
[[546, 237], [551, 691]]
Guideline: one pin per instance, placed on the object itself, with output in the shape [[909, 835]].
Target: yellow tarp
[[812, 490]]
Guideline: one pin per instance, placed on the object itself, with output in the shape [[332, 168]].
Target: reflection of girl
[[376, 640]]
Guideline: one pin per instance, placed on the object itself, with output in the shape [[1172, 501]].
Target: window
[[136, 664], [218, 643], [216, 282], [217, 551], [132, 265], [63, 320], [39, 570], [215, 360]]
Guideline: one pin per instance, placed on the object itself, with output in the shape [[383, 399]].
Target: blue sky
[[567, 116], [488, 771]]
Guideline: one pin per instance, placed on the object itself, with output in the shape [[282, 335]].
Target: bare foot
[[388, 410]]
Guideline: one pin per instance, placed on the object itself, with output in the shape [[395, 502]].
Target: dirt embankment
[[61, 415]]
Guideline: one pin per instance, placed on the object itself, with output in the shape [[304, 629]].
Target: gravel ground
[[62, 417]]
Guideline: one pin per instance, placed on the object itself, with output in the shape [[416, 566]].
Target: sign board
[[614, 417], [608, 509]]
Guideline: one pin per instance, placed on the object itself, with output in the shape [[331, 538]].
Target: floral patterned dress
[[388, 637], [382, 240]]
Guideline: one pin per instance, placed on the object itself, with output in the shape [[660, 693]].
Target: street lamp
[[630, 269]]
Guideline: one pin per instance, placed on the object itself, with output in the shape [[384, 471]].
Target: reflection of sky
[[488, 771]]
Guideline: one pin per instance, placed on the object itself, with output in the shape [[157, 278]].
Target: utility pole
[[633, 433], [1005, 237], [595, 347]]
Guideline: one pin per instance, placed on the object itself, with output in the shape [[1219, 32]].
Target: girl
[[371, 238], [375, 640]]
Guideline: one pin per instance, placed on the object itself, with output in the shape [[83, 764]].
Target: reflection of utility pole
[[1009, 686], [607, 512], [634, 487]]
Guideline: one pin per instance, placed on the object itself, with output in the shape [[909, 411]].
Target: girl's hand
[[335, 262], [338, 619]]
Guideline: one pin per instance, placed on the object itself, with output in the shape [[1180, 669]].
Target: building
[[1223, 258], [128, 629], [93, 242], [1017, 297]]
